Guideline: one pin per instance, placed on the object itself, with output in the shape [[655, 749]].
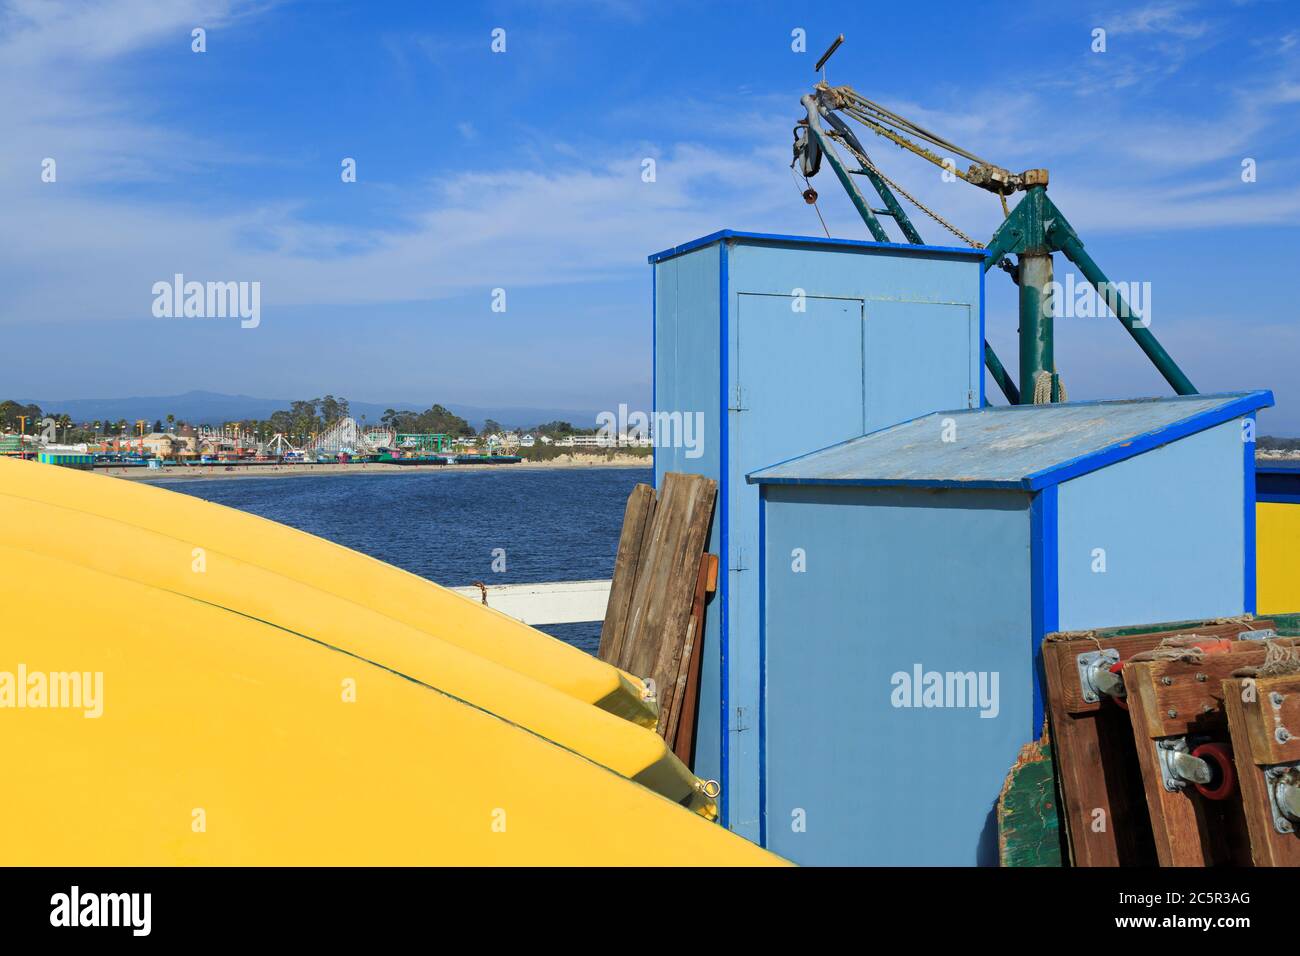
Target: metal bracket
[[1095, 677], [1265, 634], [1283, 784], [1178, 767]]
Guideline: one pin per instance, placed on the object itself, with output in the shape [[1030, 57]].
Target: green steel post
[[1036, 344], [1000, 375], [1034, 274], [1072, 246]]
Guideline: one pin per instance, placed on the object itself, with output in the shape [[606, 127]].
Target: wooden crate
[[1104, 809], [1180, 704]]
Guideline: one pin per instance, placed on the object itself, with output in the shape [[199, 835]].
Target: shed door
[[799, 387], [799, 382], [921, 357]]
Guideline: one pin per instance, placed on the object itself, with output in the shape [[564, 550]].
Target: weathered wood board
[[1029, 832], [651, 622], [637, 518], [1254, 716], [683, 740]]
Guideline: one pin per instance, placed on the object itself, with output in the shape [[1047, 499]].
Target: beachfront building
[[167, 445]]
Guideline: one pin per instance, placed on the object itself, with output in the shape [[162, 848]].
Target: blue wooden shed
[[766, 347], [910, 575]]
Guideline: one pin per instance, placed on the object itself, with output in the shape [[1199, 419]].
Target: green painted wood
[[1286, 625], [1176, 626], [1029, 823]]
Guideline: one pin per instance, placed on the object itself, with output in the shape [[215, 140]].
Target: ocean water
[[557, 524]]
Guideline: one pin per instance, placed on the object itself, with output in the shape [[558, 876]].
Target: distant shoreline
[[194, 472]]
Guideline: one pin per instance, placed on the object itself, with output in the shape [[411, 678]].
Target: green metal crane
[[1032, 231]]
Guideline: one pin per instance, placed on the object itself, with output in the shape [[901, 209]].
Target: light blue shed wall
[[907, 304], [687, 378], [1172, 525], [894, 578], [886, 335]]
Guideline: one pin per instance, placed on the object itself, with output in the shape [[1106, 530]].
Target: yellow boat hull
[[264, 706]]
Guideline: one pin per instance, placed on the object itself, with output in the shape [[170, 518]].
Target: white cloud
[[1157, 18], [570, 215]]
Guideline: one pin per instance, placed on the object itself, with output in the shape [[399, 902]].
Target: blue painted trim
[[1248, 520], [762, 667], [815, 242], [1271, 499], [992, 484], [982, 342], [1246, 403], [1045, 602], [1236, 405], [724, 488], [654, 350]]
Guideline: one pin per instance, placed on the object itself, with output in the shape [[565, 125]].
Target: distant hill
[[212, 408]]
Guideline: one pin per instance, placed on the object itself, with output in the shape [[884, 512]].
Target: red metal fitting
[[1223, 782], [1118, 668]]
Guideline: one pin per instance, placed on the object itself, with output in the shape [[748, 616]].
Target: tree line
[[299, 421]]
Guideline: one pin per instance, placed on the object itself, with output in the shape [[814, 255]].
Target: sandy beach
[[192, 472]]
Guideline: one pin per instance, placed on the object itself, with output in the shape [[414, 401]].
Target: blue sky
[[522, 170]]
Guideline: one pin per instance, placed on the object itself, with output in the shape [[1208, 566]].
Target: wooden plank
[[661, 602], [1065, 652], [1243, 701], [682, 589], [1104, 809], [1180, 823], [1188, 696], [682, 736], [1028, 823], [641, 647], [1185, 699], [637, 517], [1272, 721]]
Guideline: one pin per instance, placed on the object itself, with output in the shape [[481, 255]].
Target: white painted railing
[[550, 602]]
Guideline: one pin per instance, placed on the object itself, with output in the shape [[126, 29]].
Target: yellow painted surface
[[1277, 549], [295, 555], [269, 709], [127, 552], [224, 740]]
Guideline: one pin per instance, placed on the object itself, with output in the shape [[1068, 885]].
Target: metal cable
[[889, 117], [867, 163], [816, 208]]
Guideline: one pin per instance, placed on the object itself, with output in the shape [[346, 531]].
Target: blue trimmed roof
[[1022, 447], [763, 237]]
